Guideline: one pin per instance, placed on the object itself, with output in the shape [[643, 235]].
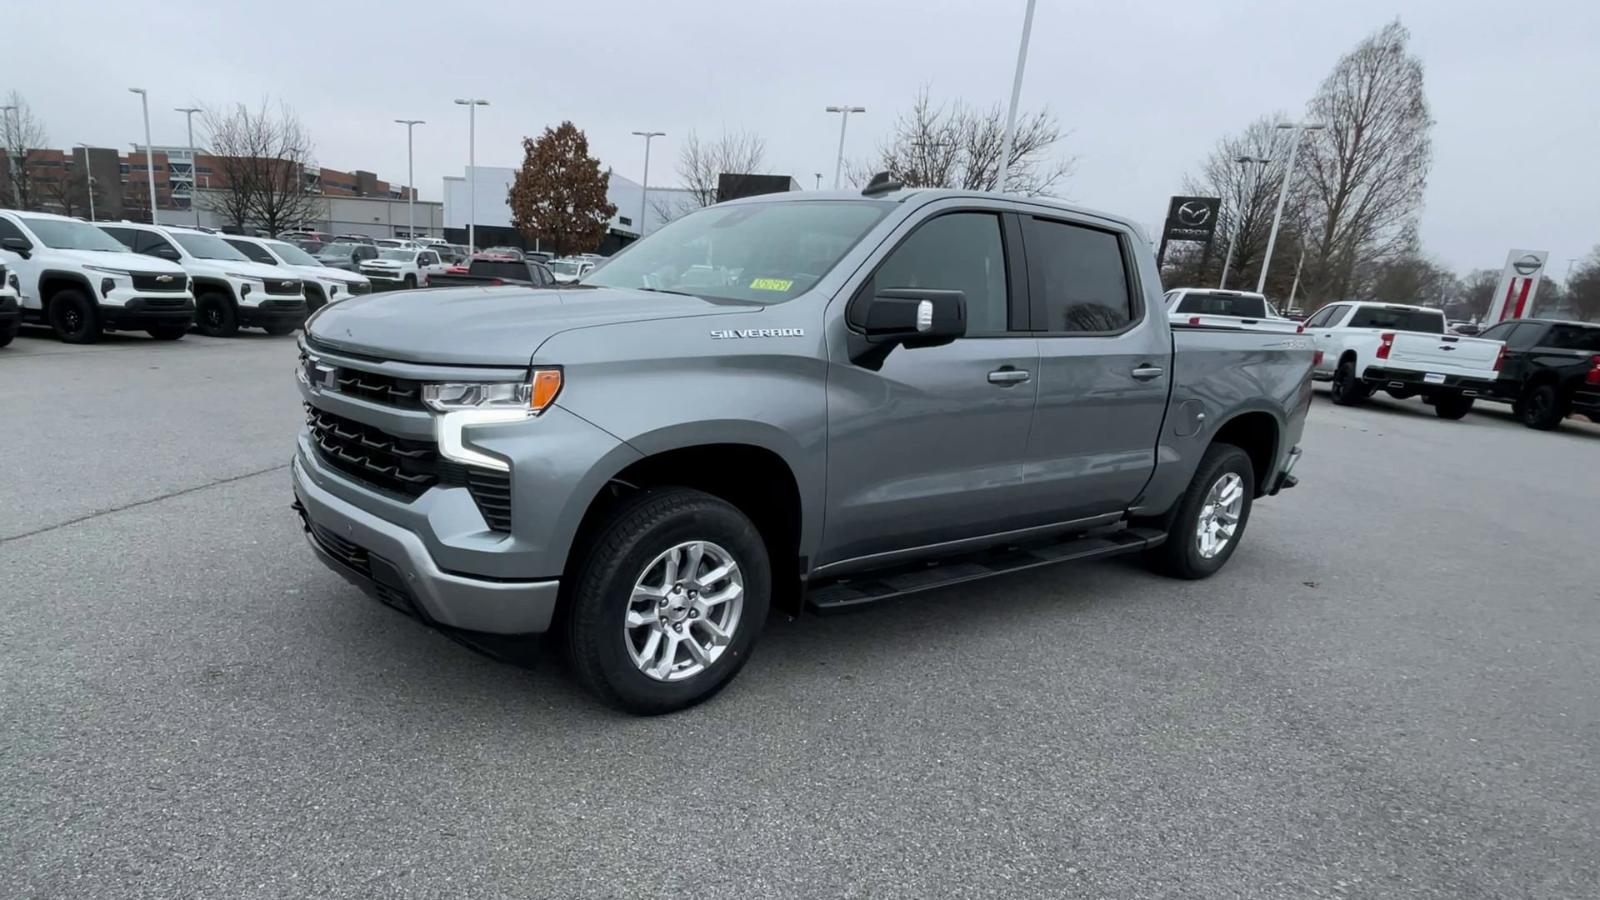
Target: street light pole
[[1016, 94], [844, 119], [149, 151], [644, 186], [819, 181], [88, 179], [194, 162], [411, 185], [1297, 128], [11, 160], [1261, 163], [472, 105]]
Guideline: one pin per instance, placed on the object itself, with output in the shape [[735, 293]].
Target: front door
[[1105, 371], [929, 447]]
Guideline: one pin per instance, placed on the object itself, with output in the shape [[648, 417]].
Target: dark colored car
[[1551, 370], [346, 255], [10, 310], [483, 271]]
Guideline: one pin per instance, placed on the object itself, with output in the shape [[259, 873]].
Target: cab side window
[[123, 235], [151, 244], [1078, 278], [962, 252], [256, 252]]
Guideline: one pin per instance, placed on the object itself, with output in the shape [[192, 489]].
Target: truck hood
[[489, 326], [129, 262]]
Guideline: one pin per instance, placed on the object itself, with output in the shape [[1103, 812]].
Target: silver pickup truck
[[809, 400]]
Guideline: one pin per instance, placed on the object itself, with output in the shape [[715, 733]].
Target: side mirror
[[165, 252], [19, 246], [909, 317]]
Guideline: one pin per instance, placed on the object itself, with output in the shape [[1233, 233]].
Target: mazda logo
[[1194, 214], [1527, 264]]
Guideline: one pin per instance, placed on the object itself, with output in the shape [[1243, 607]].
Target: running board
[[840, 594]]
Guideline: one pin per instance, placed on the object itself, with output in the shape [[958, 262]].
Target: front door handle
[[1145, 373], [1009, 376]]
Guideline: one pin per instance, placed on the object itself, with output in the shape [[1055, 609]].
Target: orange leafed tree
[[559, 195]]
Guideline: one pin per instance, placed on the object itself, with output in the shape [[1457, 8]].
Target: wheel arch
[[53, 281], [1258, 433], [202, 284]]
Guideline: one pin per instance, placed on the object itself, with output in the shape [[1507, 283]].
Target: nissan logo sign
[[1527, 264], [1194, 214]]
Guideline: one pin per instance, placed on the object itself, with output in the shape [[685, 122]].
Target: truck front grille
[[385, 389], [405, 467], [160, 281], [288, 288]]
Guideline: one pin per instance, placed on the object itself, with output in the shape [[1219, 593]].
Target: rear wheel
[[410, 282], [668, 601], [1347, 389], [1541, 408], [1211, 515], [74, 317], [1451, 406], [7, 332], [215, 316], [168, 332]]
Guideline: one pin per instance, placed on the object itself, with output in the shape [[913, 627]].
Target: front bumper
[[392, 565], [1466, 385], [149, 312], [277, 311]]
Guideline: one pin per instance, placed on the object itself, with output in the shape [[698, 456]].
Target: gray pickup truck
[[809, 400]]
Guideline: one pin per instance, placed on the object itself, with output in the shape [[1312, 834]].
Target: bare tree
[[1477, 291], [955, 145], [1249, 194], [1583, 288], [22, 135], [68, 193], [259, 162], [701, 164], [1366, 172]]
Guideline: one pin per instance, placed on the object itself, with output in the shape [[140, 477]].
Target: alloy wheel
[[1219, 515], [684, 610]]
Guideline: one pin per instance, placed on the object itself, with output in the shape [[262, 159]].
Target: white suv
[[323, 284], [81, 283], [230, 291]]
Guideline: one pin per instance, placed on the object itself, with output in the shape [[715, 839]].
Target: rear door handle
[[1145, 373], [1009, 376]]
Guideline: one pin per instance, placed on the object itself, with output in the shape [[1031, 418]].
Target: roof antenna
[[881, 183]]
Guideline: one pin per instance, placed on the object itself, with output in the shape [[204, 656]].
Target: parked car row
[[84, 279]]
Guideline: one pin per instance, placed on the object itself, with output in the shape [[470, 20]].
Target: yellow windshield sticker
[[771, 284]]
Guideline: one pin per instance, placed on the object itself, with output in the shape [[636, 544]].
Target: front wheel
[[410, 282], [215, 316], [74, 317], [1347, 389], [1541, 408], [1451, 406], [1211, 515], [668, 601], [7, 333]]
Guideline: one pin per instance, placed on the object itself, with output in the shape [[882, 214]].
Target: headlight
[[109, 271], [464, 404]]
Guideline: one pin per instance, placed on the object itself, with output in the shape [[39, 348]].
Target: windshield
[[65, 234], [1244, 306], [402, 255], [206, 246], [340, 251], [766, 252], [292, 255], [1390, 318], [563, 268]]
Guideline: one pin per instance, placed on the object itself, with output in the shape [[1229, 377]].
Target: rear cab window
[[1573, 337], [1243, 306], [1078, 278], [1396, 318]]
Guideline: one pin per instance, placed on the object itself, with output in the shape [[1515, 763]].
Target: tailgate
[[1446, 354]]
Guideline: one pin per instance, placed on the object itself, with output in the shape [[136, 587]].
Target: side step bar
[[840, 594]]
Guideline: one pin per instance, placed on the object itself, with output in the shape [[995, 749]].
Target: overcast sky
[[1146, 87]]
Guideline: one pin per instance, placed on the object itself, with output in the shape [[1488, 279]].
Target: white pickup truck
[[1404, 350], [1231, 309]]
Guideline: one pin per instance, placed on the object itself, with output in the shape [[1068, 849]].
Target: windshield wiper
[[665, 291]]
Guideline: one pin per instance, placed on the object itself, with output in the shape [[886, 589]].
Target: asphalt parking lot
[[1392, 690]]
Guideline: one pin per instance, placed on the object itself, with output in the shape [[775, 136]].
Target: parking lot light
[[194, 162], [644, 186], [88, 180], [411, 190], [472, 105], [149, 151], [1296, 129], [844, 119]]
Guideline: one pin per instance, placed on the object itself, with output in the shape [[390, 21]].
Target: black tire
[[1541, 408], [1400, 393], [74, 317], [1451, 406], [409, 282], [618, 555], [279, 330], [1180, 556], [215, 316], [7, 332], [167, 332], [1347, 389]]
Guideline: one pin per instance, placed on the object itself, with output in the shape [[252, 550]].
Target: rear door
[[928, 448], [1104, 369]]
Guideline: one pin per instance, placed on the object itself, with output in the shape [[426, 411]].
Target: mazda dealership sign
[[1191, 218]]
